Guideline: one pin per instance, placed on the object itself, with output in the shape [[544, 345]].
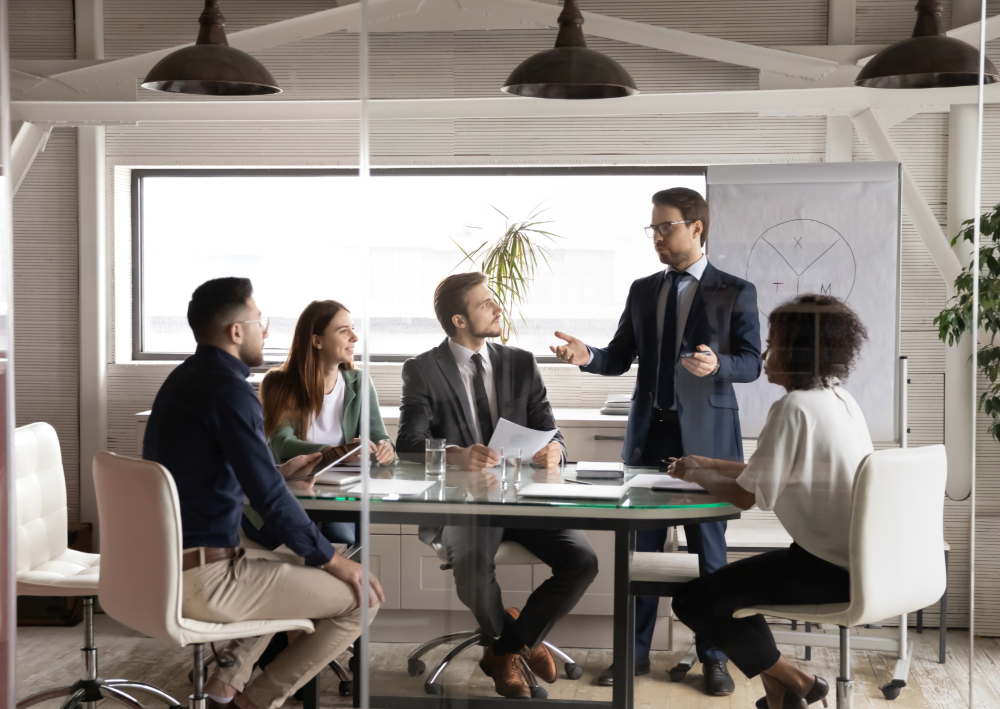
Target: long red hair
[[293, 393]]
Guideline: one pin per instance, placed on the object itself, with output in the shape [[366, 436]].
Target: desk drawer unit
[[600, 444]]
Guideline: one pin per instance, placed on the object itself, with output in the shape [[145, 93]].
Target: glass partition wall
[[8, 623]]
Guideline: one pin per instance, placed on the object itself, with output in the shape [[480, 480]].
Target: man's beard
[[490, 332], [251, 357]]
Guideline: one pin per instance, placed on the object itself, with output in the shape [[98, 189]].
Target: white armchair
[[46, 567], [896, 564], [141, 579]]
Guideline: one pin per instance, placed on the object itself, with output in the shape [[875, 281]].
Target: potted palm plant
[[510, 262]]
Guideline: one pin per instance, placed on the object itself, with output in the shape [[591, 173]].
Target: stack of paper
[[617, 404]]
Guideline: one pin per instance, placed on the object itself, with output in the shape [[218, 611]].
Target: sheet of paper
[[403, 488], [580, 492], [665, 482], [511, 435]]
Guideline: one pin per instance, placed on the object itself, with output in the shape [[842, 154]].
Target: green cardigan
[[286, 445]]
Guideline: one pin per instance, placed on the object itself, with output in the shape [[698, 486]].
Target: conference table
[[485, 498]]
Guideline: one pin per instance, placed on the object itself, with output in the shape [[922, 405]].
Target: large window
[[297, 235]]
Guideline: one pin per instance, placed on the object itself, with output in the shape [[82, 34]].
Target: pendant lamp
[[570, 71], [211, 67], [929, 59]]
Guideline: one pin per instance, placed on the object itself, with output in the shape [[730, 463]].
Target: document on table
[[510, 435], [663, 482], [579, 492], [403, 488]]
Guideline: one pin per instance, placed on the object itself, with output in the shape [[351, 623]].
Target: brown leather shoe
[[540, 660], [506, 673]]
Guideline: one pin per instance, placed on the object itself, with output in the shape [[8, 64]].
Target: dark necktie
[[482, 401], [668, 347]]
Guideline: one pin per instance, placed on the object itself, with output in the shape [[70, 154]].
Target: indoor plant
[[510, 262]]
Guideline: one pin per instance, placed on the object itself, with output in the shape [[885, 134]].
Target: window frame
[[137, 221]]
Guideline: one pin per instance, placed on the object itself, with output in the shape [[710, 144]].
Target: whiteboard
[[821, 228]]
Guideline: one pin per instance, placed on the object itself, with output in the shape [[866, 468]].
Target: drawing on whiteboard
[[800, 256]]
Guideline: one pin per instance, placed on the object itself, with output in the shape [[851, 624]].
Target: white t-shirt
[[328, 428], [804, 467]]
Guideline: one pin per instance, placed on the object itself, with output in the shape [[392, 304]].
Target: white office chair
[[46, 567], [141, 579], [896, 565], [509, 554]]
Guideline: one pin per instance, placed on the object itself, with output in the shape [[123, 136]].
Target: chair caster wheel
[[539, 693], [678, 673], [891, 690], [435, 690], [346, 688], [415, 667], [574, 671]]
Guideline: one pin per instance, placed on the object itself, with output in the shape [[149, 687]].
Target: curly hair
[[816, 340]]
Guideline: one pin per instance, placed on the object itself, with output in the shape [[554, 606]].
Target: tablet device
[[320, 469]]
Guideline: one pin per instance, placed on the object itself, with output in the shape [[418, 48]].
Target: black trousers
[[568, 553], [786, 577], [707, 540]]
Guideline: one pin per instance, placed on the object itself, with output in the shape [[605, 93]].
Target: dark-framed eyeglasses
[[664, 228]]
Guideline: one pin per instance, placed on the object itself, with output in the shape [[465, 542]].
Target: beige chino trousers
[[273, 586]]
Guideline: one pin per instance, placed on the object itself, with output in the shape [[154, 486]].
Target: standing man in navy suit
[[695, 331]]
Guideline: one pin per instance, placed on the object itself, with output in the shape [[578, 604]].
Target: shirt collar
[[213, 352], [463, 354], [696, 270]]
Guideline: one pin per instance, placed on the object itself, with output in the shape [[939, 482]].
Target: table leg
[[624, 622], [311, 691]]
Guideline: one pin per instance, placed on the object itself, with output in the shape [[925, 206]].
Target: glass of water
[[510, 465], [434, 458]]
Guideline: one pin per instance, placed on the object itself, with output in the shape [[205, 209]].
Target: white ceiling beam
[[841, 16], [296, 28], [967, 33], [695, 45], [871, 130], [811, 102], [28, 142]]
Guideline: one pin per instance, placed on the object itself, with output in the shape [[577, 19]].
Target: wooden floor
[[49, 657]]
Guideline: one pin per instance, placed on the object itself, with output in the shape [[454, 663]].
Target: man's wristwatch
[[718, 366]]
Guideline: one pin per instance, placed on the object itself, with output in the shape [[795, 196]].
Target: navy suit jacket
[[723, 316]]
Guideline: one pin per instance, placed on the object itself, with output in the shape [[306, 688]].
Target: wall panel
[[46, 301]]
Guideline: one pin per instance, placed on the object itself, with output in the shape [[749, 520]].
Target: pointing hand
[[573, 352]]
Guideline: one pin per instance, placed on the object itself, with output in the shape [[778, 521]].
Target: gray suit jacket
[[435, 403]]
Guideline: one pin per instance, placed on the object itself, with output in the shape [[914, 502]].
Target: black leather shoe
[[718, 683], [607, 678], [791, 701]]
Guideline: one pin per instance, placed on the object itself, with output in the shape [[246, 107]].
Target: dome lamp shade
[[211, 67], [570, 70]]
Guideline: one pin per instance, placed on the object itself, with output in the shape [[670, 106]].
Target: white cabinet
[[384, 555]]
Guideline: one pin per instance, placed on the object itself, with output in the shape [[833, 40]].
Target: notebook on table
[[576, 492]]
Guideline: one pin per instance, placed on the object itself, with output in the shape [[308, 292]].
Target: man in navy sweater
[[695, 331], [207, 429]]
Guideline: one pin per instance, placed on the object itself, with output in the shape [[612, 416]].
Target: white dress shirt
[[685, 297], [804, 467], [467, 370], [328, 428]]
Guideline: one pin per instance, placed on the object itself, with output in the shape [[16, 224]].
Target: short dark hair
[[215, 303], [450, 298], [810, 359], [689, 203]]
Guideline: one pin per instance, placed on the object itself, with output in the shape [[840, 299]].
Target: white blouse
[[328, 428], [804, 467]]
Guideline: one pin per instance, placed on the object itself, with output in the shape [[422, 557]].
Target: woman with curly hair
[[803, 469]]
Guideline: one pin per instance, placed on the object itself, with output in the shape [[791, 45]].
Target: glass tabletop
[[491, 487]]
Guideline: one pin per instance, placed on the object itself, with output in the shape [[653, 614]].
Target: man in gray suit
[[459, 391]]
